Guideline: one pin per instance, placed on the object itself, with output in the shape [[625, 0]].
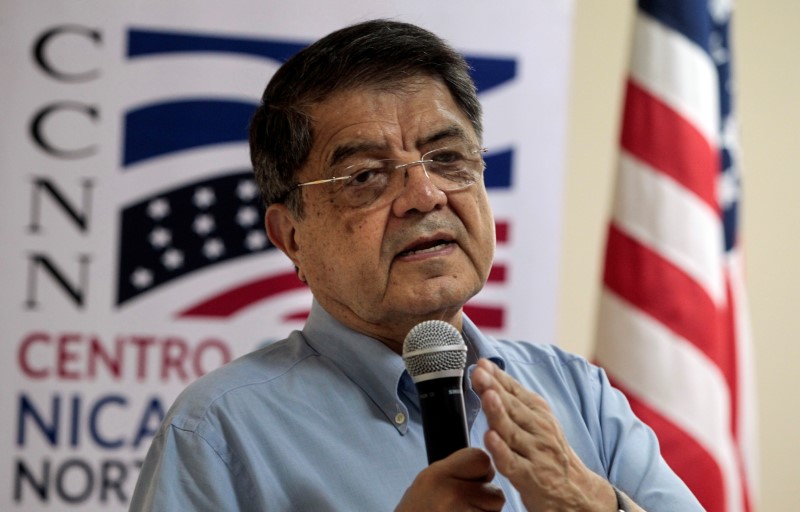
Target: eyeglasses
[[371, 181]]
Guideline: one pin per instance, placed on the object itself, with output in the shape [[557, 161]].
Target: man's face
[[382, 269]]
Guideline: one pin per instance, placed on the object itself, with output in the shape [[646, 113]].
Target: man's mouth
[[429, 246]]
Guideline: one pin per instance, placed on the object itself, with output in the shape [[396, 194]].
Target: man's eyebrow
[[451, 132], [345, 151]]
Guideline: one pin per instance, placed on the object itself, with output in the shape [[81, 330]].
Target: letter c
[[40, 52], [24, 359], [37, 129]]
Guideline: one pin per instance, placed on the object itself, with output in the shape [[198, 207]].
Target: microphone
[[435, 356]]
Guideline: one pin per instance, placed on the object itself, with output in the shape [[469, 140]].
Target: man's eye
[[367, 177], [448, 157], [363, 177]]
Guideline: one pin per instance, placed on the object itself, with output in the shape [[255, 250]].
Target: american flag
[[673, 331]]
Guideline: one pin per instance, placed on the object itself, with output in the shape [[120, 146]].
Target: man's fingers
[[503, 456], [483, 496], [472, 464], [510, 385], [462, 481], [516, 414]]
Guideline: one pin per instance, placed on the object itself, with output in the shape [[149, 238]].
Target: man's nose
[[419, 192]]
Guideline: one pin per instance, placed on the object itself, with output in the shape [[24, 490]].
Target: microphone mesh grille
[[430, 334]]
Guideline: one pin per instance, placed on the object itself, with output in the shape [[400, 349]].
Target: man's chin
[[433, 302]]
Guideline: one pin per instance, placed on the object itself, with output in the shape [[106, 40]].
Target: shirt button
[[399, 418]]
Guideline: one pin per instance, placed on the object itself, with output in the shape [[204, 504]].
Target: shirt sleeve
[[182, 471], [633, 456]]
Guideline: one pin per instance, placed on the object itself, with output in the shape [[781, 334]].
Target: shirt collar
[[370, 364], [378, 370], [479, 345]]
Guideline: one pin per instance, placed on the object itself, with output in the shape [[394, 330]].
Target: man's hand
[[528, 446], [460, 482]]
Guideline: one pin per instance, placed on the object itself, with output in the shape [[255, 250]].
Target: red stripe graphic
[[488, 317], [657, 135], [497, 274], [501, 229], [233, 300]]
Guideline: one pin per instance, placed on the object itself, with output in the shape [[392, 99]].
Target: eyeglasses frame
[[422, 161]]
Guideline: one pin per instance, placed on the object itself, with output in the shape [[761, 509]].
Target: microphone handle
[[444, 421]]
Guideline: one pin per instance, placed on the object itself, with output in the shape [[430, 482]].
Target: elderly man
[[367, 149]]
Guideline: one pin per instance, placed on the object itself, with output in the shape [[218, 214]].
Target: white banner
[[133, 254]]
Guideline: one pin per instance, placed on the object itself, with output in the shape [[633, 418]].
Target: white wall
[[766, 53]]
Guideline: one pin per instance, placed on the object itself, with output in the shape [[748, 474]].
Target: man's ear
[[280, 224]]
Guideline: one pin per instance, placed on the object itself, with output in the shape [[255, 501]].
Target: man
[[328, 419]]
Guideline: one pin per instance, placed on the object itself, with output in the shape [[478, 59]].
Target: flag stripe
[[684, 455], [678, 72], [657, 135], [746, 429], [642, 277], [654, 209]]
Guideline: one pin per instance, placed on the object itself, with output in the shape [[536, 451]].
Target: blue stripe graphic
[[489, 73], [498, 170], [143, 43], [163, 128]]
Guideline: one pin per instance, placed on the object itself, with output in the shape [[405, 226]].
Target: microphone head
[[434, 349]]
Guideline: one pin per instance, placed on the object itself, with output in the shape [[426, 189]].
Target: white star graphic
[[718, 51], [255, 240], [141, 278], [213, 248], [160, 237], [172, 259], [204, 197], [246, 190], [203, 224], [157, 209], [720, 10], [729, 187], [246, 216], [730, 135]]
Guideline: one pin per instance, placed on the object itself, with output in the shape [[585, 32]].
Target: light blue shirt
[[328, 419]]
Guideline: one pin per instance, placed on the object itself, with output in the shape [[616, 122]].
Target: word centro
[[71, 356]]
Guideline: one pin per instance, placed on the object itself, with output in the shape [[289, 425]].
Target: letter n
[[79, 217], [38, 263]]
